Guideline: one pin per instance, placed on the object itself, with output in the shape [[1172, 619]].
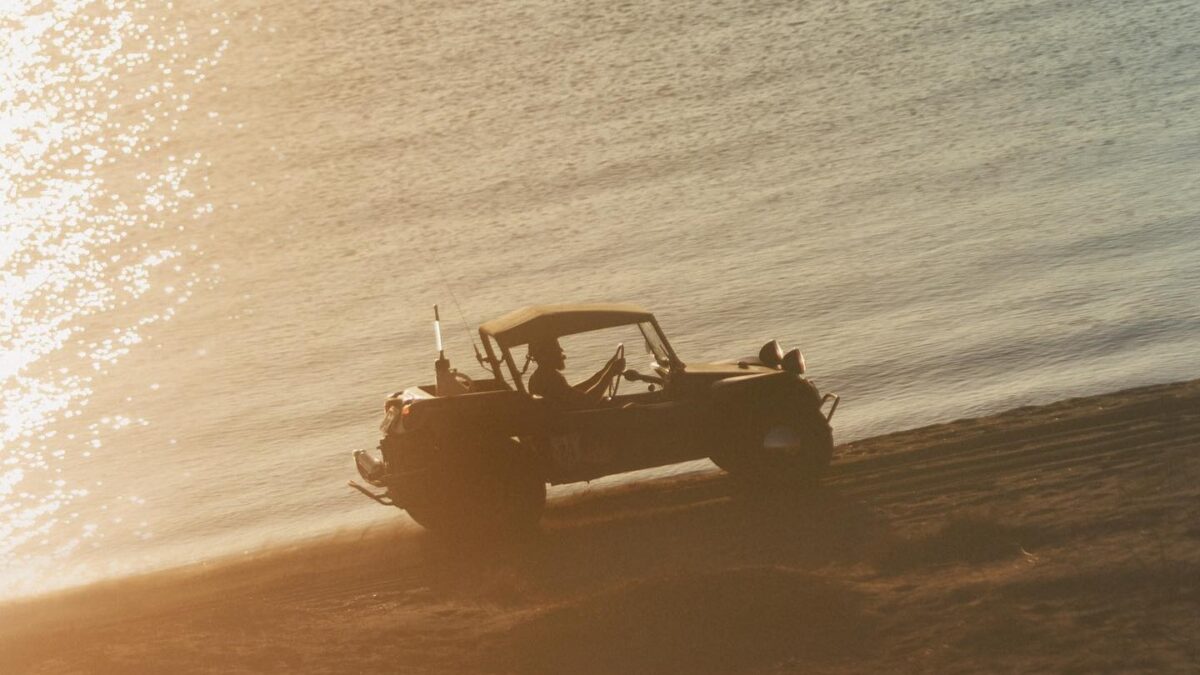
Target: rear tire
[[477, 488]]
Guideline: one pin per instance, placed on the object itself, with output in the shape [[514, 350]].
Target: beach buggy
[[467, 453]]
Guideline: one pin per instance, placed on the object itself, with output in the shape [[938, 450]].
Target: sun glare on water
[[94, 195]]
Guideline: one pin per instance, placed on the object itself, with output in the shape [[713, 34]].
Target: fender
[[752, 390], [495, 413], [761, 389]]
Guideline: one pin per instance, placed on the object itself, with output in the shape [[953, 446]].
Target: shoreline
[[1050, 537]]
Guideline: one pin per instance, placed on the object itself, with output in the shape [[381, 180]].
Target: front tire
[[780, 449]]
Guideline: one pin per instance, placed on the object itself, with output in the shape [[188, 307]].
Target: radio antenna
[[437, 333], [466, 326]]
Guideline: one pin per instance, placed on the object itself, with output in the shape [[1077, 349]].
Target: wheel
[[779, 449], [476, 487]]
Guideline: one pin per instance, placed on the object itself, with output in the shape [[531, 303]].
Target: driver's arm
[[595, 385], [554, 387]]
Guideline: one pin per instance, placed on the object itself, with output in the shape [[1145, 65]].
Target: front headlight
[[793, 362]]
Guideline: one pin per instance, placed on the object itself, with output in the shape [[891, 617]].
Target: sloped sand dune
[[1057, 538]]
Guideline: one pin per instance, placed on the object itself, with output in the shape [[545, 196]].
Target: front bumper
[[373, 471], [825, 399]]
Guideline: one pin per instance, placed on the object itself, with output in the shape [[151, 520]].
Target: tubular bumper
[[373, 471], [836, 400], [382, 499]]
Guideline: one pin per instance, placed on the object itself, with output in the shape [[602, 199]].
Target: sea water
[[223, 225]]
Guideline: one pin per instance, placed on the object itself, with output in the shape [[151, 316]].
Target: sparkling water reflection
[[91, 94]]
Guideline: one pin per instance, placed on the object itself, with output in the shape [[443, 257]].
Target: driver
[[549, 383]]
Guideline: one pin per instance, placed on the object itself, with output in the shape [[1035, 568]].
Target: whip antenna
[[466, 325], [437, 333]]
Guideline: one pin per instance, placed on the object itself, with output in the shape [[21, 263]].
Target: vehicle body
[[477, 453]]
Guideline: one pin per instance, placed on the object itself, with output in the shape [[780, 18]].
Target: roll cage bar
[[497, 352]]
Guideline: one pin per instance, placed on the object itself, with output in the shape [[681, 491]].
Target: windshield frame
[[657, 343]]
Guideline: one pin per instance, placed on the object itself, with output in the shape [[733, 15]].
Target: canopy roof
[[550, 321]]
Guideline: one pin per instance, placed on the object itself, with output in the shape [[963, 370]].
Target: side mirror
[[631, 375]]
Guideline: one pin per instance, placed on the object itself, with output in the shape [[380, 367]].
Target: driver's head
[[548, 353]]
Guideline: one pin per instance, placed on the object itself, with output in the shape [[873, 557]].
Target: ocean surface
[[223, 225]]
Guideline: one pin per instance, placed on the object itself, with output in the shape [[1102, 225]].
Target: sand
[[1058, 538]]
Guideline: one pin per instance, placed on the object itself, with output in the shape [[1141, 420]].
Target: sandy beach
[[1058, 538]]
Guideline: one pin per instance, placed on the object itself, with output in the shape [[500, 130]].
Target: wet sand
[[1058, 538]]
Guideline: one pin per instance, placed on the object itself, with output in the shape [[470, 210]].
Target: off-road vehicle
[[477, 453]]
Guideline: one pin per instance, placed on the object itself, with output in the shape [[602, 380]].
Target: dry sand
[[1058, 538]]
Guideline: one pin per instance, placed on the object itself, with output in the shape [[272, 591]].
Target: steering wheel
[[615, 383]]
